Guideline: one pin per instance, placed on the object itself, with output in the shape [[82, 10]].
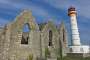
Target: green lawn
[[76, 58]]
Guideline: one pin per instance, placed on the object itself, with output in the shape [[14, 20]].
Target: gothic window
[[25, 34], [63, 36], [50, 38]]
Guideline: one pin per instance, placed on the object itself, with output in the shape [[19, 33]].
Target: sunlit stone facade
[[41, 42]]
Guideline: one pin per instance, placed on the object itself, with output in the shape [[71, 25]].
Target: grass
[[76, 58]]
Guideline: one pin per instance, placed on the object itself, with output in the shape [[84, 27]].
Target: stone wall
[[10, 41], [45, 39]]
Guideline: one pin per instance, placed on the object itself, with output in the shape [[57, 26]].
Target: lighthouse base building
[[79, 49]]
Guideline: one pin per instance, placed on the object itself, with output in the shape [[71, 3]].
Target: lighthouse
[[76, 45], [74, 28]]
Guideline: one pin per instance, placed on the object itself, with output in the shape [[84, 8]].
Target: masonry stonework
[[39, 39]]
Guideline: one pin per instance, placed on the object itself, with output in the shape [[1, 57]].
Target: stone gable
[[40, 39]]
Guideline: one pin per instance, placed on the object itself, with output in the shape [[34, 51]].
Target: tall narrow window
[[50, 38], [63, 36], [25, 34]]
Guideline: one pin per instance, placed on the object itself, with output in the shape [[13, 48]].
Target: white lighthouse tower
[[76, 45], [75, 34]]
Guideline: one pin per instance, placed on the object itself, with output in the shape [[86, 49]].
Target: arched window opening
[[50, 38], [25, 34], [26, 28], [63, 36]]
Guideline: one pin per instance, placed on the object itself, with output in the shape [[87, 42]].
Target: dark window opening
[[25, 34], [63, 36], [24, 40], [50, 38]]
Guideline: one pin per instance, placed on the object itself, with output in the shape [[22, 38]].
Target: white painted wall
[[75, 33], [79, 49]]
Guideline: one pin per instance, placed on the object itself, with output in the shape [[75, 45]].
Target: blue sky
[[44, 10]]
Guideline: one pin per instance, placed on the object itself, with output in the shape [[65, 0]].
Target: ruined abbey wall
[[48, 38]]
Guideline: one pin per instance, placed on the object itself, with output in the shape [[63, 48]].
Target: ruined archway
[[24, 42], [25, 34]]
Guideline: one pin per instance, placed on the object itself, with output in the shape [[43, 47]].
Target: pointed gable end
[[25, 18]]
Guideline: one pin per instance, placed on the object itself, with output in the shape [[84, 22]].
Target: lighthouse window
[[50, 38]]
